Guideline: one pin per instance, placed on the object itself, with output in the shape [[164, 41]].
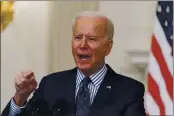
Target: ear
[[109, 47]]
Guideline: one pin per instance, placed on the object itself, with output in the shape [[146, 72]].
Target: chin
[[83, 67]]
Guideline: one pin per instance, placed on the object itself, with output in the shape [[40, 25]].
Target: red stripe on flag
[[167, 76], [154, 91]]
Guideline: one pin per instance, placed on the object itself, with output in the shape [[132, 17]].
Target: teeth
[[83, 57]]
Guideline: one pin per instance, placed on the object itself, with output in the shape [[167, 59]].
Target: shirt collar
[[96, 78]]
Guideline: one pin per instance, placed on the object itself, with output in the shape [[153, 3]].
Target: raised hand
[[25, 84]]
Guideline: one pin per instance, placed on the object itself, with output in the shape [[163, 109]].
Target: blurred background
[[38, 37]]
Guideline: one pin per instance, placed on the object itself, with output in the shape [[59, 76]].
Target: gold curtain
[[7, 12]]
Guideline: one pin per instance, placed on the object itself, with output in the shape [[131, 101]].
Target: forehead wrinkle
[[95, 25]]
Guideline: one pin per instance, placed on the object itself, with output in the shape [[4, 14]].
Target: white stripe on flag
[[165, 47], [154, 70], [151, 106]]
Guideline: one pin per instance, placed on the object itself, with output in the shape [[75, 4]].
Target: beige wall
[[39, 38], [24, 45], [133, 22]]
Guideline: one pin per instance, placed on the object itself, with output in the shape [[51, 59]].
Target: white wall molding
[[139, 58]]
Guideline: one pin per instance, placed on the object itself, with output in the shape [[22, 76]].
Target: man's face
[[89, 43]]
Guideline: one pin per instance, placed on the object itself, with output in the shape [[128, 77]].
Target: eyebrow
[[79, 34]]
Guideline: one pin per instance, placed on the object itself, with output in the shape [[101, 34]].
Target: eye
[[92, 38], [77, 37]]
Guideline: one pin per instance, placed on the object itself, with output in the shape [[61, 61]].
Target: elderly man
[[90, 89]]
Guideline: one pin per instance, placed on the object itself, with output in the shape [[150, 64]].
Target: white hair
[[110, 26]]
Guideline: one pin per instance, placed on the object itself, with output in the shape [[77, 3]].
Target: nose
[[84, 43]]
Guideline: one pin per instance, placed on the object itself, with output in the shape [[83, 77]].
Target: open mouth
[[84, 57]]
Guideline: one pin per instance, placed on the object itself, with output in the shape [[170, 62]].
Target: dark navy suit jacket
[[117, 96]]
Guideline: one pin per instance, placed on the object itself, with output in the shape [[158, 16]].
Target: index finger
[[27, 74]]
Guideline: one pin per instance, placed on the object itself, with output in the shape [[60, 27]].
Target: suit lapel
[[69, 91], [102, 97], [105, 90]]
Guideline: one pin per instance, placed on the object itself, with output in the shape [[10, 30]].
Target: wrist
[[20, 99]]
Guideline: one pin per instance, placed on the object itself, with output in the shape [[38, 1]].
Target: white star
[[166, 23], [159, 8], [167, 9]]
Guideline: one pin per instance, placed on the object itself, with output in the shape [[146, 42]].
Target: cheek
[[96, 51], [74, 51], [99, 52], [74, 46]]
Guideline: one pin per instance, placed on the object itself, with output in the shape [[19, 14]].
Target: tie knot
[[86, 81]]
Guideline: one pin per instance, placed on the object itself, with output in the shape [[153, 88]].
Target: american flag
[[159, 95]]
